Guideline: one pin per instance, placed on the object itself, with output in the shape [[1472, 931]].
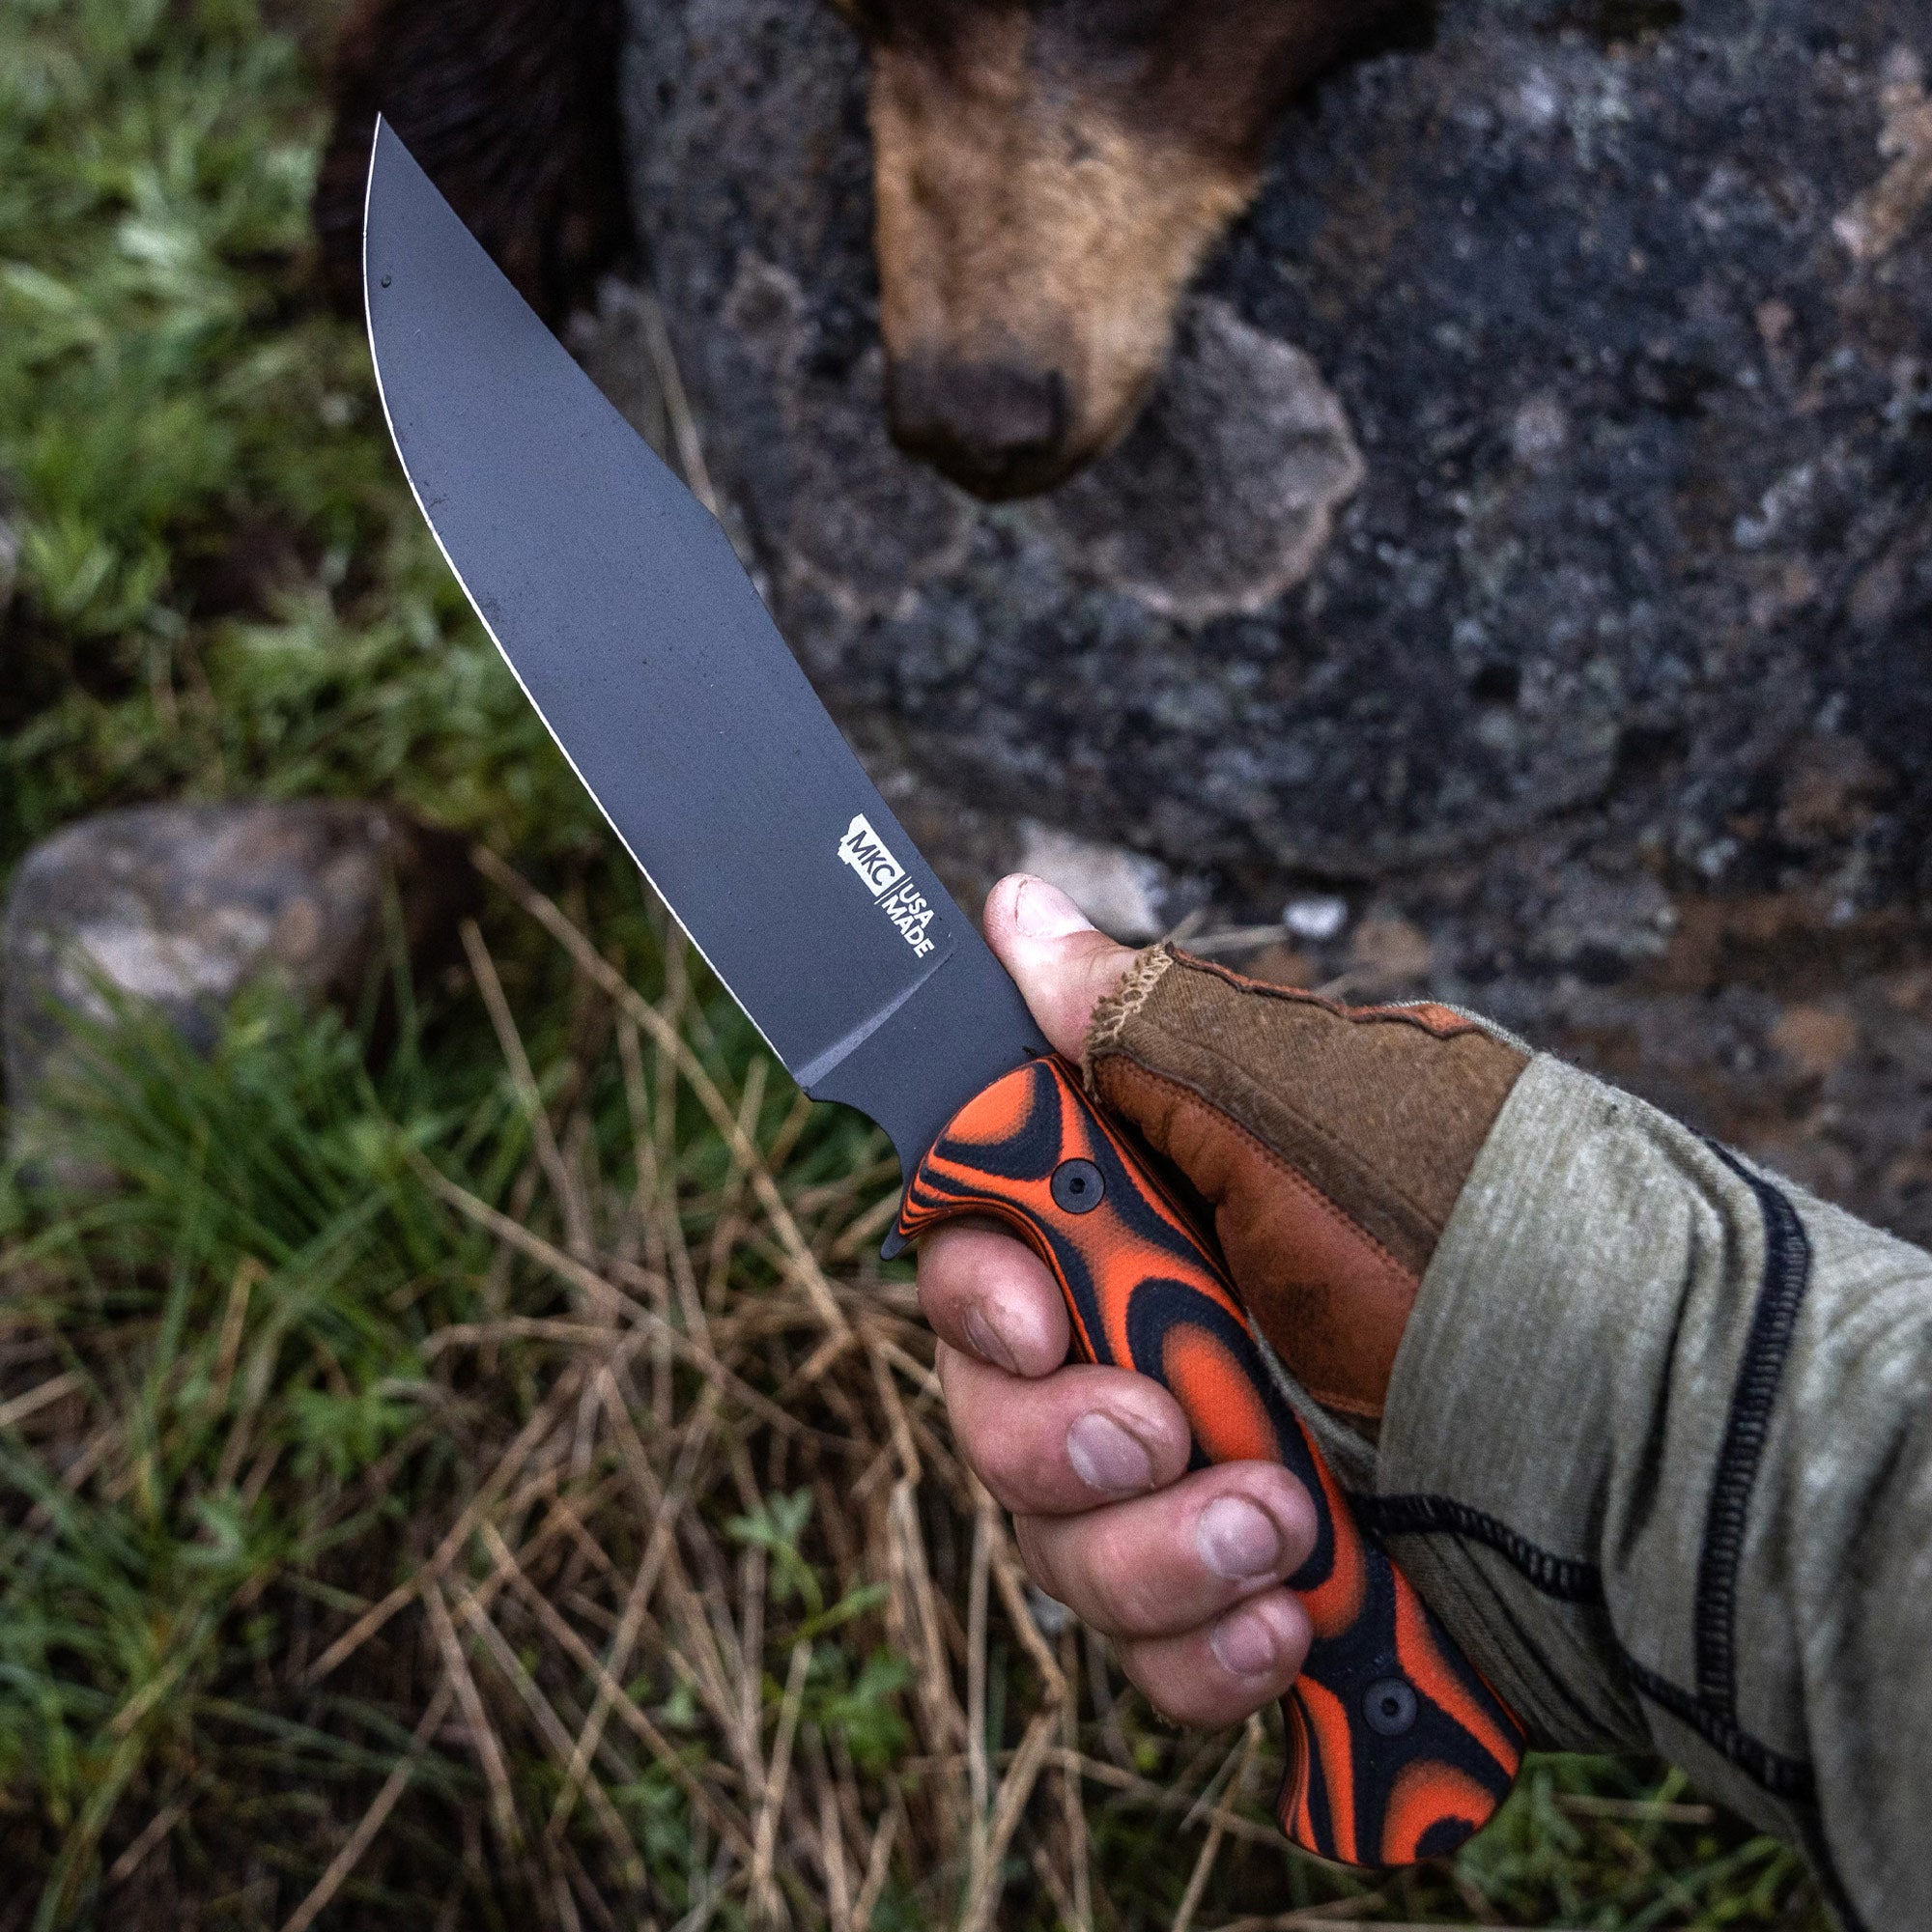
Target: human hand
[[1330, 1144], [1185, 1572]]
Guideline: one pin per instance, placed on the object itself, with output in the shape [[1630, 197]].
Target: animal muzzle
[[1032, 240], [997, 428]]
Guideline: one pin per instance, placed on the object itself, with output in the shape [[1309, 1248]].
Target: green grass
[[230, 590], [255, 1390]]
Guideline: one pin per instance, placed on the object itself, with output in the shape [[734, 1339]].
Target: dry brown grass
[[643, 1536], [618, 1547], [565, 1492]]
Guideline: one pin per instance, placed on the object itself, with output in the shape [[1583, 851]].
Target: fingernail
[[1107, 1456], [1244, 1643], [1237, 1538], [988, 1344], [1041, 911]]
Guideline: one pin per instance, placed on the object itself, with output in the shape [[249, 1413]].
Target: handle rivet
[[1388, 1705], [1078, 1187], [386, 281]]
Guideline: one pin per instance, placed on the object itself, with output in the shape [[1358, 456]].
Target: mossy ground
[[473, 1471]]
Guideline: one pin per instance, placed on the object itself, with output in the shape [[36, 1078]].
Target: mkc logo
[[866, 853]]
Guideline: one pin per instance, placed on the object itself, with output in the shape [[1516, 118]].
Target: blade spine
[[488, 630]]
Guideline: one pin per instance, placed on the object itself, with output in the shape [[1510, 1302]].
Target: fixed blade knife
[[625, 614]]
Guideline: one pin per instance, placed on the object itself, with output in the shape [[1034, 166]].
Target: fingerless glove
[[1331, 1143]]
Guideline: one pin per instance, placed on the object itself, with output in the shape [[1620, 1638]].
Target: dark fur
[[511, 105], [1049, 174]]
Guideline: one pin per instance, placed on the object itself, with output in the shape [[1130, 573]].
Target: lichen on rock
[[1626, 315]]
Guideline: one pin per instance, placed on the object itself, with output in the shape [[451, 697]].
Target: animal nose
[[997, 428]]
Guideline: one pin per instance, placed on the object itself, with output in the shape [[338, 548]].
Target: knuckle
[[996, 1465], [1131, 1596], [1187, 1698], [1036, 1556]]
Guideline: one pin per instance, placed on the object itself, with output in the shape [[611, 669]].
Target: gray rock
[[1224, 495], [1596, 922], [1634, 338], [1317, 916], [179, 905], [1615, 661]]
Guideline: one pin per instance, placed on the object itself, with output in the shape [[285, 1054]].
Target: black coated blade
[[632, 626]]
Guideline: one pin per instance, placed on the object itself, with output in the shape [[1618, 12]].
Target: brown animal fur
[[1048, 176]]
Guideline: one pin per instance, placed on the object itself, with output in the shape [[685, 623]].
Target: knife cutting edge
[[626, 617]]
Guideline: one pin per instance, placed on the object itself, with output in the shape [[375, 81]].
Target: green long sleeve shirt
[[1658, 1449]]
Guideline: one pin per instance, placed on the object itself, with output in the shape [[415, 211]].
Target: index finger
[[986, 1293]]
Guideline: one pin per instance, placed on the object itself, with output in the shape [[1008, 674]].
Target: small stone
[[1600, 926], [181, 905], [1223, 495], [1317, 916], [1120, 891]]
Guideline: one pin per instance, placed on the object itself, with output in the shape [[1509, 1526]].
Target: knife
[[624, 613]]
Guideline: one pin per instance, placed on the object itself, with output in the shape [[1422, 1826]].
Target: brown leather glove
[[1330, 1141]]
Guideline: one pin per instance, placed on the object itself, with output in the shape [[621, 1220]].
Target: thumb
[[1060, 963]]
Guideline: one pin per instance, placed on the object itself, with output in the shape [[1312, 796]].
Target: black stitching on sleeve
[[1787, 1778], [1824, 1869], [1567, 1579], [1571, 1580], [1787, 1273], [1711, 1710]]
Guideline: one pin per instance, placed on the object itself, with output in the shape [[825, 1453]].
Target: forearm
[[1651, 1431], [1659, 1445]]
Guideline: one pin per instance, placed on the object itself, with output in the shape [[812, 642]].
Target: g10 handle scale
[[1398, 1750]]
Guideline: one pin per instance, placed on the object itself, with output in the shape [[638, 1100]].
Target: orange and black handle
[[1398, 1750]]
